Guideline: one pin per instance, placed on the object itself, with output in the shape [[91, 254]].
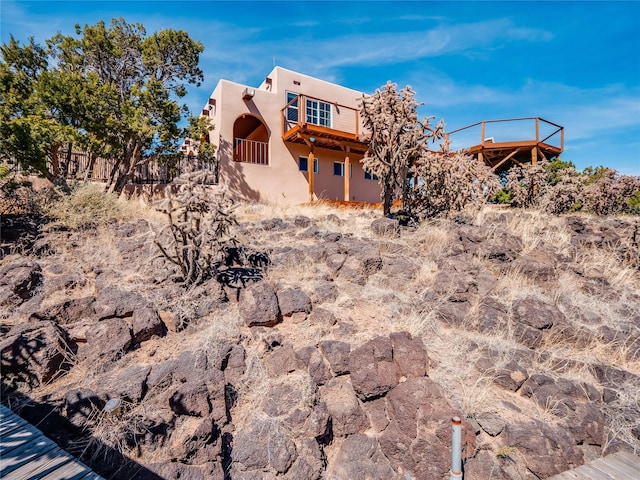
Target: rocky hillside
[[334, 345]]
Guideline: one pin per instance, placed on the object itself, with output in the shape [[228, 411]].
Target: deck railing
[[510, 130], [297, 113], [251, 151]]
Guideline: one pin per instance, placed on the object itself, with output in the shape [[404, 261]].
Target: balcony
[[502, 143], [251, 151], [330, 125]]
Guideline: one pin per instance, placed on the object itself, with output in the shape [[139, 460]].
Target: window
[[292, 109], [370, 176], [303, 164], [318, 113], [338, 169]]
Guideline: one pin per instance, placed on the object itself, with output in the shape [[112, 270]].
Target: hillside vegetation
[[326, 343]]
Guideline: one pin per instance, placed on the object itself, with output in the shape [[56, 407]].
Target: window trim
[[341, 174]]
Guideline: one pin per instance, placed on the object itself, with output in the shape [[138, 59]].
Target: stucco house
[[293, 139]]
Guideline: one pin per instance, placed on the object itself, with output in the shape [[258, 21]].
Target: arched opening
[[250, 140]]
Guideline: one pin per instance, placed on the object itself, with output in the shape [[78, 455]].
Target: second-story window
[[292, 108], [318, 113]]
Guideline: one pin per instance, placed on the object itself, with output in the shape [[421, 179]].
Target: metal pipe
[[456, 449]]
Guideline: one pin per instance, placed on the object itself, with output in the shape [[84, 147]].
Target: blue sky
[[576, 64]]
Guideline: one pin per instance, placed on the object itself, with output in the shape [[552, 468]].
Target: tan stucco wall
[[281, 181]]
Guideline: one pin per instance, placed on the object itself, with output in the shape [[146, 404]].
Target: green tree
[[113, 90], [397, 138]]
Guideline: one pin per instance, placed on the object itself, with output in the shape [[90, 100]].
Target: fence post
[[456, 449]]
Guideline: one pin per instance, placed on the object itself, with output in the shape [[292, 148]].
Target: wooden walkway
[[25, 453], [618, 466]]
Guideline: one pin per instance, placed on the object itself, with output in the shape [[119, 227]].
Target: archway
[[250, 140]]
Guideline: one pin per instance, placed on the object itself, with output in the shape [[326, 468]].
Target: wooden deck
[[25, 453], [618, 466]]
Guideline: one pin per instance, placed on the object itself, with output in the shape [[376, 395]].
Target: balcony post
[[347, 178], [310, 168]]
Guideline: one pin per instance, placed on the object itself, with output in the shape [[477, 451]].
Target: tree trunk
[[387, 201]]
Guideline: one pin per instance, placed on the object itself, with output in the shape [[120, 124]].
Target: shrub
[[198, 229], [608, 193], [449, 182], [85, 206]]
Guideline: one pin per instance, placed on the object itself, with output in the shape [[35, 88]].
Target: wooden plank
[[24, 454], [593, 473], [71, 471], [9, 421], [16, 439], [41, 466], [629, 459], [613, 468], [631, 462]]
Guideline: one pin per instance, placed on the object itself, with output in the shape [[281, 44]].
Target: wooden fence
[[84, 166]]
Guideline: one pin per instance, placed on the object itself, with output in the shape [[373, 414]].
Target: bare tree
[[397, 138]]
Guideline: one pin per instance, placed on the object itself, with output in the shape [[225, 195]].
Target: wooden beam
[[534, 156], [505, 159]]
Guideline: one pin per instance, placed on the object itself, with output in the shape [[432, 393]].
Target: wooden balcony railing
[[511, 132], [251, 151]]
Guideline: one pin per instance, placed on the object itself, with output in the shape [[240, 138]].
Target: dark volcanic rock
[[385, 227], [343, 406], [360, 458], [548, 452], [145, 324], [109, 339], [536, 313], [337, 354], [409, 354], [34, 352], [373, 371], [293, 300], [19, 281], [259, 305], [263, 446]]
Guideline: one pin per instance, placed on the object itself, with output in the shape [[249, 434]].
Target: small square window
[[338, 169], [303, 164], [369, 176]]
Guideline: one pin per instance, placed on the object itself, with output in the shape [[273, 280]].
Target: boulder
[[360, 458], [145, 324], [35, 352], [109, 339], [536, 313], [337, 354], [373, 371], [409, 354], [262, 446], [548, 452], [385, 227], [343, 406], [293, 300], [259, 305], [20, 280]]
